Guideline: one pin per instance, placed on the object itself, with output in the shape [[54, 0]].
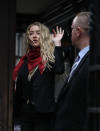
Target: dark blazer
[[71, 109], [40, 90]]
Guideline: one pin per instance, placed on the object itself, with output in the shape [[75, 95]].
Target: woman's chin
[[34, 45]]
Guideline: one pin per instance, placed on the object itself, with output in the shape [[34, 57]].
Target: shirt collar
[[84, 51]]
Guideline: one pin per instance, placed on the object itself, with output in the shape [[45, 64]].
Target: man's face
[[34, 36]]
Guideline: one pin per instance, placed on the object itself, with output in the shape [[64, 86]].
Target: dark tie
[[74, 66]]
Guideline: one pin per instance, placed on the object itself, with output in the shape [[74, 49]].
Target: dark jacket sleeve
[[17, 99], [59, 60]]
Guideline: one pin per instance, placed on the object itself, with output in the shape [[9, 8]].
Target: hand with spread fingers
[[57, 36]]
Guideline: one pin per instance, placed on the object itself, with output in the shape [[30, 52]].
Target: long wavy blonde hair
[[46, 44]]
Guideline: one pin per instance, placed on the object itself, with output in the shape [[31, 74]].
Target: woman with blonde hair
[[34, 77]]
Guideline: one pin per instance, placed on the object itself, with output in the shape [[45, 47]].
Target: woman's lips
[[35, 41]]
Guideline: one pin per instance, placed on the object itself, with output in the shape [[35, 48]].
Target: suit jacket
[[40, 90], [71, 108]]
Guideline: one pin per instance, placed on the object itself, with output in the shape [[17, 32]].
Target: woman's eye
[[38, 33], [30, 33]]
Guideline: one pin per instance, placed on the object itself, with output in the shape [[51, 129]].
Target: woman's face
[[34, 36]]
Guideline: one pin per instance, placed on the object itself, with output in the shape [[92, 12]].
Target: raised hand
[[57, 36]]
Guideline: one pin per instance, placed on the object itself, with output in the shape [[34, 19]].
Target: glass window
[[20, 46]]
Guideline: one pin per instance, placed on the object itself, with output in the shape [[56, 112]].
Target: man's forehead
[[74, 20]]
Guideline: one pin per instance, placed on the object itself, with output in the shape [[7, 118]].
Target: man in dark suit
[[71, 109]]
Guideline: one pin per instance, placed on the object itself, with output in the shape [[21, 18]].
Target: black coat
[[71, 109], [40, 90]]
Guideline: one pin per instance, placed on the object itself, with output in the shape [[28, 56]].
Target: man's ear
[[78, 31]]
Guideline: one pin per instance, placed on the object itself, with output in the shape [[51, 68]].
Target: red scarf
[[33, 59]]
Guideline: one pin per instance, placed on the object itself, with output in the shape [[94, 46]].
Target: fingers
[[54, 32], [59, 30], [62, 32]]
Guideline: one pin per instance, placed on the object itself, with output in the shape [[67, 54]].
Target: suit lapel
[[79, 66], [66, 83]]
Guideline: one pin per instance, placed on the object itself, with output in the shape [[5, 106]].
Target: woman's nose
[[34, 35]]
